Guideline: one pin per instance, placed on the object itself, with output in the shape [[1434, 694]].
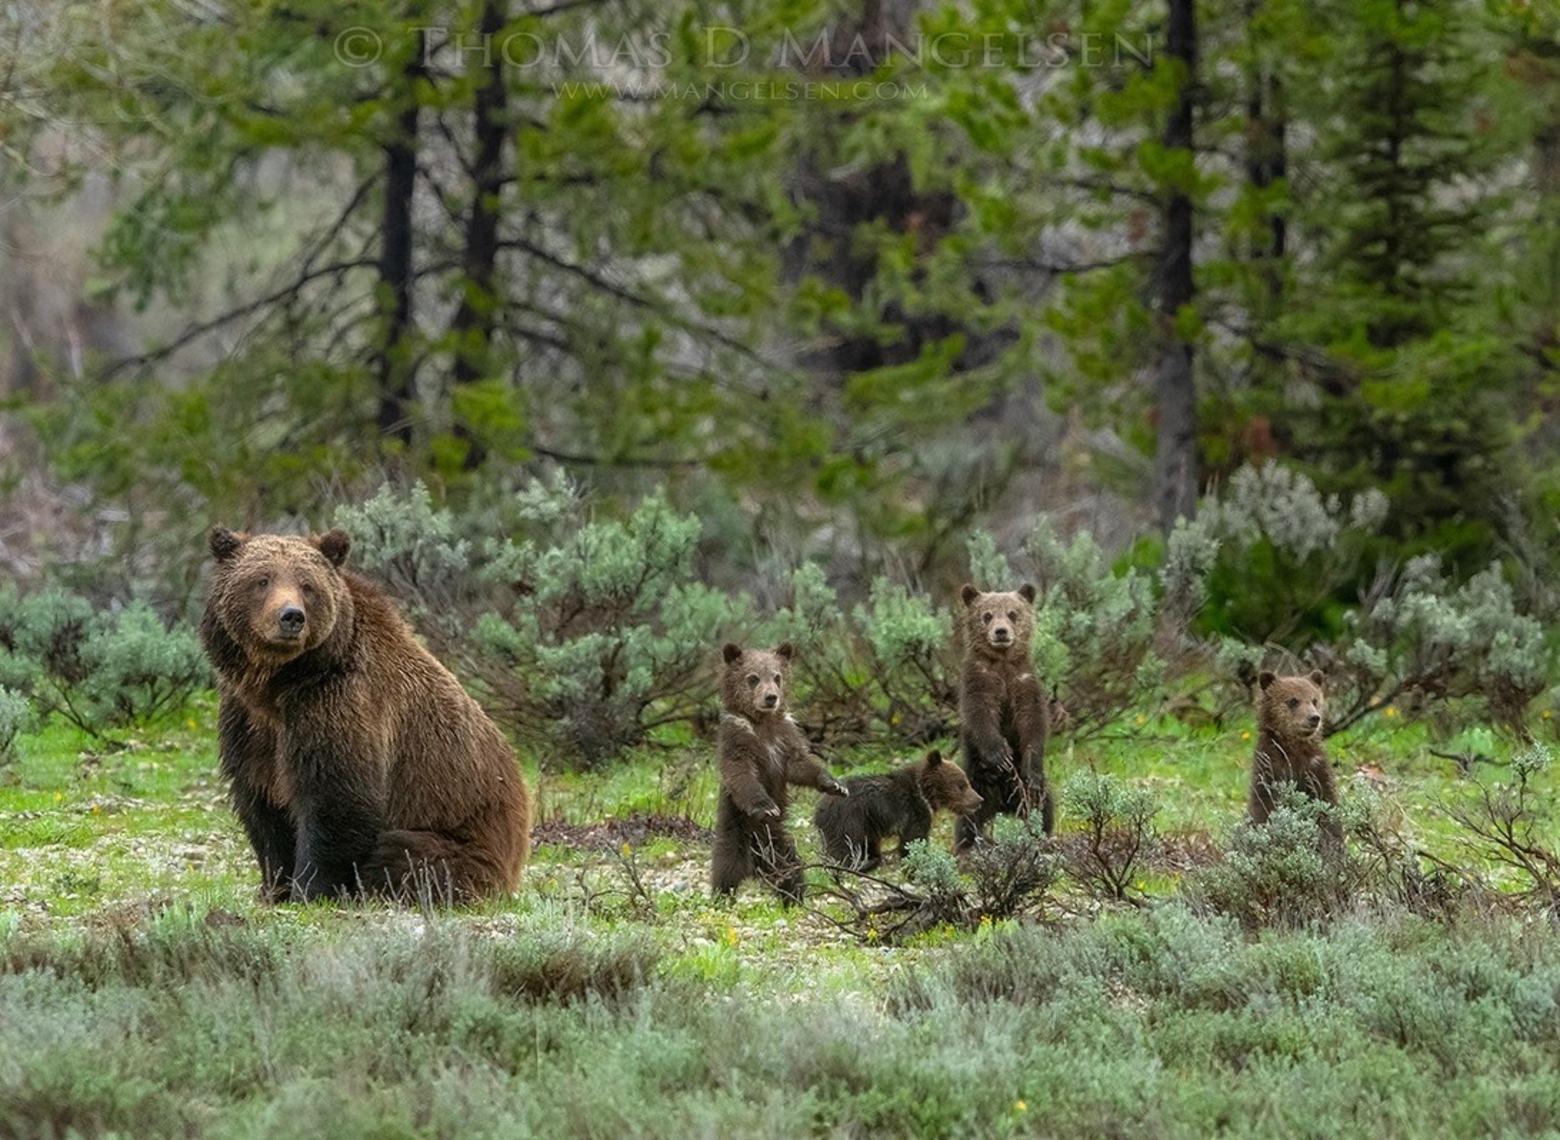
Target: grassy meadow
[[145, 992]]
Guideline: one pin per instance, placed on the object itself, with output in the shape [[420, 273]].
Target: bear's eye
[[777, 678], [985, 617], [263, 581], [308, 590], [752, 678], [1294, 702], [1012, 615]]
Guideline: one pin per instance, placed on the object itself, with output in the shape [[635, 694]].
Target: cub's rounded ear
[[1318, 677], [1266, 677], [731, 652], [969, 593], [1027, 592], [786, 649], [225, 543], [934, 759], [334, 546]]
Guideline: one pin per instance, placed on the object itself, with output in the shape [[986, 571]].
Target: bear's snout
[[1313, 721], [290, 621], [1001, 635], [771, 700]]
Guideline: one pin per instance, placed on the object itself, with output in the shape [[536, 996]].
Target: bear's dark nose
[[1313, 720], [291, 620], [1000, 635], [771, 700]]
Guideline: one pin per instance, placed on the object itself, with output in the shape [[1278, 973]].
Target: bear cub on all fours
[[898, 804], [1289, 747], [1003, 715], [355, 761], [761, 751]]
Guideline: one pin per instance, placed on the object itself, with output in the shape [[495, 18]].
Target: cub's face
[[275, 595], [946, 787], [754, 681], [999, 623], [1291, 707]]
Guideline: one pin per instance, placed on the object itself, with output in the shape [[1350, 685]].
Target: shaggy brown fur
[[761, 752], [1289, 746], [899, 803], [1002, 712], [356, 761]]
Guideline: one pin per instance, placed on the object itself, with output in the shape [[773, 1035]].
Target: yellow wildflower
[[1245, 735], [1020, 1106]]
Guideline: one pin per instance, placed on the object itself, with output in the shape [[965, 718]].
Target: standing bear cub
[[1289, 747], [761, 751], [357, 763], [900, 803], [1002, 712]]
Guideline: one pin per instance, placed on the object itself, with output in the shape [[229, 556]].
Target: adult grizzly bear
[[761, 752], [1002, 712], [1289, 747], [900, 803], [357, 763]]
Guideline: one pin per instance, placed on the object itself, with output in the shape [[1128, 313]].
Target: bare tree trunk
[[474, 319], [397, 372], [1175, 461]]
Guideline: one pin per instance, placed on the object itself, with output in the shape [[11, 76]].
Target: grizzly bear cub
[[356, 762], [1002, 712], [761, 751], [899, 803], [1289, 747]]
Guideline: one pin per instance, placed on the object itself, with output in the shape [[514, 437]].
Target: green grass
[[144, 991]]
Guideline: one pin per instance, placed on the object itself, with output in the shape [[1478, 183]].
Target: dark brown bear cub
[[1289, 747], [1002, 712], [761, 752], [899, 803], [356, 761]]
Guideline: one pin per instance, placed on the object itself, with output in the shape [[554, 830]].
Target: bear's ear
[[934, 759], [1027, 592], [225, 543], [786, 650], [334, 546], [1266, 677], [1318, 677], [731, 652], [969, 593]]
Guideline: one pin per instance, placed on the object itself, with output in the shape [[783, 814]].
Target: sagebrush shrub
[[883, 670], [15, 718], [1118, 831], [582, 635], [1279, 873], [102, 672]]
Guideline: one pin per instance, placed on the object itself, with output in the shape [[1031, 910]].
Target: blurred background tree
[[850, 281]]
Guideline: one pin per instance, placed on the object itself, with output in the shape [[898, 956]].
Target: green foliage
[[1283, 555], [16, 717], [583, 635], [1279, 873], [105, 673], [1118, 832], [1419, 637], [883, 670]]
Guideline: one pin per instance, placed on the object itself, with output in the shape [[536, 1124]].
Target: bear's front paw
[[835, 788], [766, 810]]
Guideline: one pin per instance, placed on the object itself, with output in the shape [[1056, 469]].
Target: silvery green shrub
[[884, 669], [583, 635], [1418, 637], [16, 717], [103, 672]]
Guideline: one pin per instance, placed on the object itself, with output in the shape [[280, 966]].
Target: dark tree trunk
[[474, 319], [397, 379], [1175, 461]]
